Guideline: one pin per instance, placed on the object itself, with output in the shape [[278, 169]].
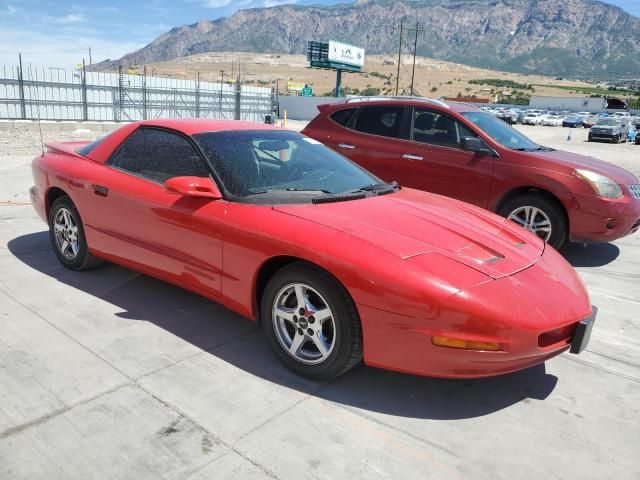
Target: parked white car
[[552, 120], [532, 118]]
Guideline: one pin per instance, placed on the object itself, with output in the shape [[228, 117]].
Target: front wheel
[[311, 322], [540, 216]]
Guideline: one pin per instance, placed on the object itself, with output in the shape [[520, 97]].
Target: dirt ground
[[432, 77], [26, 141]]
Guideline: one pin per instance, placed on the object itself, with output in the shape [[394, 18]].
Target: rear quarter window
[[343, 117]]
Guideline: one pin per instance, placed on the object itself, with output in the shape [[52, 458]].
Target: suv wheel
[[540, 215]]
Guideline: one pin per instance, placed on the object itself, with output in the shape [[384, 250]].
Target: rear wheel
[[66, 234], [311, 322], [540, 215]]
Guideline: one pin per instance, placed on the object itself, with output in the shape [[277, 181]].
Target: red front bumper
[[596, 219], [532, 314]]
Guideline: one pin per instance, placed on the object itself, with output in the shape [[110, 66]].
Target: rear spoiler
[[64, 148], [322, 106]]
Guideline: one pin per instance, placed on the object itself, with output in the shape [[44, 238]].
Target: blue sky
[[60, 33]]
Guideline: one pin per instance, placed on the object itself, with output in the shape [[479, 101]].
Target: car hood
[[607, 127], [573, 161], [410, 223]]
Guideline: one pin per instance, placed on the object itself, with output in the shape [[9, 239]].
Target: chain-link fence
[[55, 94]]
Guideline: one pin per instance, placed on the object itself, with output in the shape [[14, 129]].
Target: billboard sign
[[346, 54], [295, 87]]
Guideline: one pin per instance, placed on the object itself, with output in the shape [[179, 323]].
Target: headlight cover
[[602, 186]]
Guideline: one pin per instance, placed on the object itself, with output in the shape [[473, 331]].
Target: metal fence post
[[120, 93], [144, 94], [85, 110], [23, 107], [238, 98], [197, 94]]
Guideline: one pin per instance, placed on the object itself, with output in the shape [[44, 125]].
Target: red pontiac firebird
[[335, 264]]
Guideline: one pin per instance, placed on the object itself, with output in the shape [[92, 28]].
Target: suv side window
[[435, 128], [343, 117], [380, 120], [158, 155]]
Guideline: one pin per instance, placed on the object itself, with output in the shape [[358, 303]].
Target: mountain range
[[569, 38]]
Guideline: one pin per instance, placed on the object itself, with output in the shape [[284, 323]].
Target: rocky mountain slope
[[580, 38]]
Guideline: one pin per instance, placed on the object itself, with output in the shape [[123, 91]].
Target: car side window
[[435, 128], [380, 120], [158, 155]]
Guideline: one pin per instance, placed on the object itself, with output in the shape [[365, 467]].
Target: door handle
[[348, 146], [100, 190], [410, 156]]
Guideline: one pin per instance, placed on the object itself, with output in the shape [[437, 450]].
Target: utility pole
[[399, 56], [415, 48], [90, 62], [415, 45]]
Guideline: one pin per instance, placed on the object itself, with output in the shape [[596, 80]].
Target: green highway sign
[[306, 91]]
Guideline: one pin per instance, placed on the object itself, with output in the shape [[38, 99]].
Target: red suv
[[460, 151]]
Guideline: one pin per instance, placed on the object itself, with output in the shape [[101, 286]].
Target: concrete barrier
[[302, 108], [52, 126]]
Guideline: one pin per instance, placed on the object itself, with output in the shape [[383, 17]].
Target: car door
[[373, 140], [433, 159], [140, 223]]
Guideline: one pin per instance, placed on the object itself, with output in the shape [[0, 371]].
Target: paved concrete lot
[[111, 374]]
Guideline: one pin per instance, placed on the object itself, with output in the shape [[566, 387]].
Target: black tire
[[83, 259], [550, 207], [347, 346]]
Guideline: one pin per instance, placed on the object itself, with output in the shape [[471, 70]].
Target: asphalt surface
[[112, 374]]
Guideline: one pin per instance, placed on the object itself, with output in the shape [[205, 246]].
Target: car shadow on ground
[[203, 323], [590, 254]]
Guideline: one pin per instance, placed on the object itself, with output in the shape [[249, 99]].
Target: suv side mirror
[[477, 145], [202, 187]]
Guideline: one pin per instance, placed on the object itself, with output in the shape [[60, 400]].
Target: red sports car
[[337, 265]]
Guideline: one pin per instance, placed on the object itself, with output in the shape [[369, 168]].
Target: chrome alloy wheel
[[65, 229], [534, 220], [303, 323]]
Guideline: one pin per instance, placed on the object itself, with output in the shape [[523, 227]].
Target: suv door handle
[[348, 146], [411, 156]]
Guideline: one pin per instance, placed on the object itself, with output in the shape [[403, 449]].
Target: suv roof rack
[[397, 97]]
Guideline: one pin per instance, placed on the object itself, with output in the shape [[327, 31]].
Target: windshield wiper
[[289, 189], [378, 188]]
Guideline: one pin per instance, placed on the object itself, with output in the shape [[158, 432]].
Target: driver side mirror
[[477, 145], [202, 187]]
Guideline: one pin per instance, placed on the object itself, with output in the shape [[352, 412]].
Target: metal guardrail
[[56, 94]]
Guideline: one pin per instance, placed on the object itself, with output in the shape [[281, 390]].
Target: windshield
[[272, 166], [612, 122], [500, 131]]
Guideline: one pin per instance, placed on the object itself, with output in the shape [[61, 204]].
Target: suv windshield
[[612, 122], [501, 132], [271, 166]]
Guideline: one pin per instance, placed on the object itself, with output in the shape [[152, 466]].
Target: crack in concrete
[[600, 367], [60, 411]]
